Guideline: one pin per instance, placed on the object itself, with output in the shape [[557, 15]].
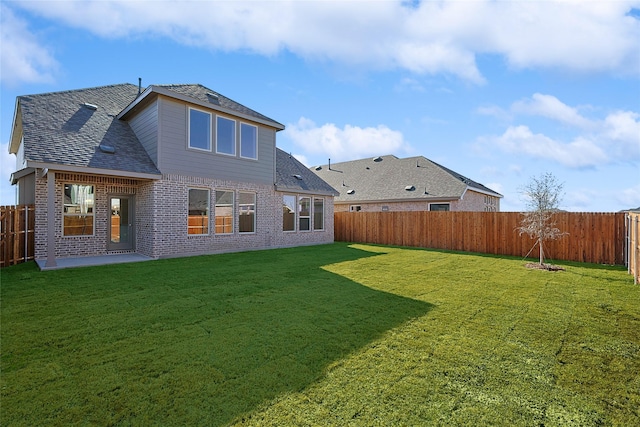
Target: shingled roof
[[389, 178], [77, 128], [291, 175]]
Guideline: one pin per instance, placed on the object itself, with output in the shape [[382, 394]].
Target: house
[[171, 170], [388, 183]]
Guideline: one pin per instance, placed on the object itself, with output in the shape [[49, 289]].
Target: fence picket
[[593, 237]]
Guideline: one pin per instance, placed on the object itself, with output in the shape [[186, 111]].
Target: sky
[[498, 91]]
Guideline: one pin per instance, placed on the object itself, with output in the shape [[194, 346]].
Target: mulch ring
[[548, 267]]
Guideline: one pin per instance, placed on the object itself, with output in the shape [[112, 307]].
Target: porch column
[[51, 220]]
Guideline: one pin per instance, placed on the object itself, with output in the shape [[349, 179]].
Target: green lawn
[[326, 335]]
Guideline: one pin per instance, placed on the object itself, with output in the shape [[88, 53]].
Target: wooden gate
[[17, 232]]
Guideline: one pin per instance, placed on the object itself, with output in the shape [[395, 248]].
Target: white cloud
[[551, 107], [580, 152], [630, 197], [427, 38], [7, 166], [596, 141], [347, 143], [24, 58]]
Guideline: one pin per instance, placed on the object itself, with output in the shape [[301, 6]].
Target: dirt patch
[[548, 267]]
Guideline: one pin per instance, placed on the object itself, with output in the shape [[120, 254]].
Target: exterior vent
[[109, 149], [212, 95], [296, 176], [377, 159], [318, 168], [90, 106], [409, 188], [351, 191]]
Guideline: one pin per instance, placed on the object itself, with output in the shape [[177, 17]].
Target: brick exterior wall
[[472, 201], [161, 212]]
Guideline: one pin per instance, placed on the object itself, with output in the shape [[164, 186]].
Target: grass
[[326, 335]]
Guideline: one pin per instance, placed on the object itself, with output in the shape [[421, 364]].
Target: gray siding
[[27, 190], [145, 126], [177, 158]]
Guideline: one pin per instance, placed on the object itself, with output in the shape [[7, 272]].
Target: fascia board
[[478, 190], [16, 129], [422, 199], [296, 190], [92, 171]]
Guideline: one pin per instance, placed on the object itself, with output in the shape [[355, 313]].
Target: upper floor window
[[79, 213], [199, 129], [225, 136], [248, 141]]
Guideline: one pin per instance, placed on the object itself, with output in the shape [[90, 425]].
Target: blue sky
[[497, 91]]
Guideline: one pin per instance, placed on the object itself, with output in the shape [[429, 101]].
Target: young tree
[[543, 195]]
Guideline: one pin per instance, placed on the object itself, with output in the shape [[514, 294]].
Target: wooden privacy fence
[[593, 237], [633, 242], [17, 234]]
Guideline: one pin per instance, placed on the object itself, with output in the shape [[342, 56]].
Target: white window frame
[[234, 137], [314, 213], [255, 141], [208, 210], [78, 206], [295, 212], [208, 149], [301, 217], [233, 209], [240, 210], [447, 204]]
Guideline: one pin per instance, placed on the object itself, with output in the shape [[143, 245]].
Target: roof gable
[[204, 97], [78, 128]]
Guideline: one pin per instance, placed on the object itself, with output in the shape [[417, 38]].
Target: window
[[442, 207], [225, 136], [304, 213], [318, 214], [198, 220], [248, 141], [247, 214], [79, 213], [355, 208], [288, 213], [224, 212], [199, 129]]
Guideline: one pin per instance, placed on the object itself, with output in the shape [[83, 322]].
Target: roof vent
[[296, 176], [90, 106], [109, 149], [377, 159], [351, 191], [212, 95], [318, 168], [409, 188]]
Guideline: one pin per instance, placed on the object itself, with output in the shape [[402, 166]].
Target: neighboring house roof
[[77, 129], [388, 178], [291, 175]]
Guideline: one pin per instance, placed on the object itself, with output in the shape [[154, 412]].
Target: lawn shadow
[[203, 340]]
